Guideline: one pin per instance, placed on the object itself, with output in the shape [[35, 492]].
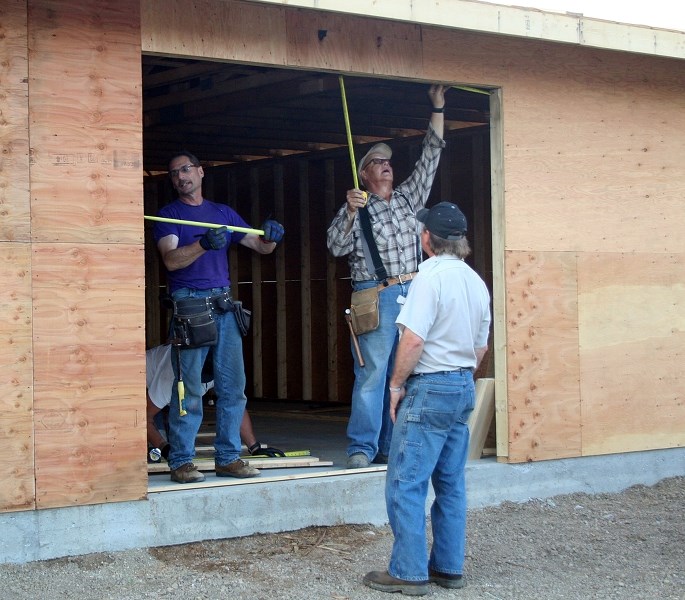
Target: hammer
[[355, 341]]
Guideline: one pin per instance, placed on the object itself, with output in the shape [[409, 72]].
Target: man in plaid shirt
[[392, 212]]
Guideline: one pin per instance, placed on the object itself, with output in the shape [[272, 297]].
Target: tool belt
[[364, 305], [194, 324], [390, 281]]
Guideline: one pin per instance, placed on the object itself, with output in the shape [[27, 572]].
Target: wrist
[[396, 389]]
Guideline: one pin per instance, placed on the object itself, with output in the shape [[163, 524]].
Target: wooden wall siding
[[16, 356], [207, 28], [87, 255], [17, 491], [15, 220], [542, 356], [85, 121], [632, 341], [353, 45], [89, 373]]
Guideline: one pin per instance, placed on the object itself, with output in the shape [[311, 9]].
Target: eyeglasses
[[378, 161], [185, 169]]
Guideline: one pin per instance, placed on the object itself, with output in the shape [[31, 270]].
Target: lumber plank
[[207, 464], [159, 482], [481, 417]]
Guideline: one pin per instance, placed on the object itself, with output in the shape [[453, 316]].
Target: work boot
[[447, 580], [358, 460], [187, 473], [384, 582], [238, 468], [380, 459]]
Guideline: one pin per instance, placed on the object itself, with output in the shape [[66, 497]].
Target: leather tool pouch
[[224, 303], [242, 317], [193, 323], [364, 310]]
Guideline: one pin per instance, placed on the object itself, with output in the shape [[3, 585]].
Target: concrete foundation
[[276, 503]]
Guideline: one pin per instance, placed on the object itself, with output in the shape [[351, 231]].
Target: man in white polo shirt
[[444, 326]]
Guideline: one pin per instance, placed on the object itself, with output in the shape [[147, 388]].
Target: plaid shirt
[[394, 224]]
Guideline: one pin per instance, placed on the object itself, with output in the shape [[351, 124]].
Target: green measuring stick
[[208, 225]]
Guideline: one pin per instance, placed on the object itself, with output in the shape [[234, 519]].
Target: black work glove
[[273, 231], [214, 239], [257, 450]]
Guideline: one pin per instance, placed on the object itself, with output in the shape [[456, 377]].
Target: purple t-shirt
[[211, 269]]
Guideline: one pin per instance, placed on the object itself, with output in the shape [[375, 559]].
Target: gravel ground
[[606, 546]]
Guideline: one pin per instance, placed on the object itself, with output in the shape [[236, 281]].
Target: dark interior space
[[273, 143]]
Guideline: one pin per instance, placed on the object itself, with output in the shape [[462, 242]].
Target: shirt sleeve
[[339, 241], [417, 187]]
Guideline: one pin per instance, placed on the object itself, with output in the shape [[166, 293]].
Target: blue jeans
[[369, 429], [229, 385], [430, 441]]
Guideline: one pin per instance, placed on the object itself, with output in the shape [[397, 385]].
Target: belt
[[397, 279], [457, 370]]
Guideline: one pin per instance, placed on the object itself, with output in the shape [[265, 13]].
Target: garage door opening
[[273, 144]]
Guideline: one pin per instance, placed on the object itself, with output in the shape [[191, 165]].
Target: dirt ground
[[608, 546]]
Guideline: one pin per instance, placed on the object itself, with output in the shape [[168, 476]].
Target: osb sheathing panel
[[15, 220], [85, 121], [17, 491], [591, 165], [89, 393], [632, 350], [87, 252]]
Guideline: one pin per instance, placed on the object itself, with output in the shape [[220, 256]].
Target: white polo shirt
[[448, 306]]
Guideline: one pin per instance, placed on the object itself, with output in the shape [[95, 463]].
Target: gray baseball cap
[[444, 220]]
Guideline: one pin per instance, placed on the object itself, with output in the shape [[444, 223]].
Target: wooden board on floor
[[207, 464], [481, 417]]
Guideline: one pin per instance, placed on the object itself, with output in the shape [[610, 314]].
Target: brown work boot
[[384, 582], [238, 468], [187, 473]]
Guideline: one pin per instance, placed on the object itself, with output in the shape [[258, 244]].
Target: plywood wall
[[85, 257], [592, 216], [16, 356]]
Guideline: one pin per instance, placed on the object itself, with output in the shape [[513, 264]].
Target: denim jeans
[[430, 441], [369, 429], [229, 385]]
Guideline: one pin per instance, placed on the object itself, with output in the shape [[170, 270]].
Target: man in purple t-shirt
[[197, 267]]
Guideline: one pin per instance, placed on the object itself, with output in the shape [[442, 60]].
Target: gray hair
[[459, 248]]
